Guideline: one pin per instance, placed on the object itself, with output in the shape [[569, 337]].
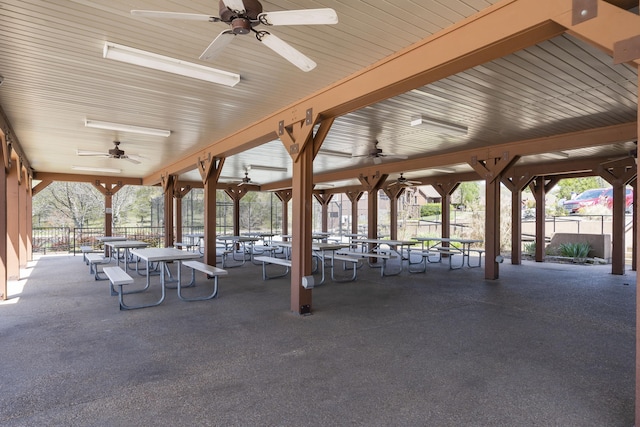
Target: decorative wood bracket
[[354, 196], [284, 195], [373, 182], [548, 181], [490, 170], [323, 199], [517, 183], [108, 188], [298, 132], [394, 192], [236, 193], [180, 190], [446, 188], [618, 172], [210, 167]]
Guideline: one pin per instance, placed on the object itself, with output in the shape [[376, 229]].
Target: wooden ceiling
[[54, 77]]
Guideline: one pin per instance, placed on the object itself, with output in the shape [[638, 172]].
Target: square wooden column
[[3, 229], [13, 223], [302, 229]]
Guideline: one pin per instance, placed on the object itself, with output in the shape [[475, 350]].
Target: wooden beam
[[68, 177], [568, 141]]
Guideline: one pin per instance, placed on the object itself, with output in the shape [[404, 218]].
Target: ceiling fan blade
[[299, 17], [287, 51], [174, 15], [131, 159], [217, 45], [91, 153], [235, 5]]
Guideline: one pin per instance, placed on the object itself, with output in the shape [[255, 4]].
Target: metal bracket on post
[[281, 127], [583, 10], [309, 117]]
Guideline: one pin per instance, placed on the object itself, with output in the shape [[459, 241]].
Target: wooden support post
[[13, 226], [4, 166], [372, 183], [236, 194], [324, 200], [210, 169], [491, 170], [354, 198], [618, 173], [284, 196], [515, 184], [393, 193], [445, 189]]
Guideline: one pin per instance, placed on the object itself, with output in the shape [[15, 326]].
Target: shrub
[[530, 248], [430, 209], [575, 250]]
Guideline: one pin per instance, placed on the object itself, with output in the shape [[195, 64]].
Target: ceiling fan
[[376, 154], [246, 180], [405, 182], [243, 15], [114, 153]]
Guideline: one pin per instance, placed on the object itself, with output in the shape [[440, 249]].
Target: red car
[[629, 196], [595, 196]]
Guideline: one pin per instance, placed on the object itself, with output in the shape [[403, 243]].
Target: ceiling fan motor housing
[[241, 26], [252, 9]]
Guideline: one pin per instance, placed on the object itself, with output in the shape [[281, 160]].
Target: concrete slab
[[546, 344]]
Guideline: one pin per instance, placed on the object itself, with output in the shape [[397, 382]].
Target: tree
[[73, 204], [467, 194], [578, 185]]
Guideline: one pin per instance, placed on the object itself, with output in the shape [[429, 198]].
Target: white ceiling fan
[[243, 15], [114, 153], [377, 155]]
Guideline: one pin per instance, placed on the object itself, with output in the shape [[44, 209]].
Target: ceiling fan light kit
[[143, 58], [439, 125], [97, 124]]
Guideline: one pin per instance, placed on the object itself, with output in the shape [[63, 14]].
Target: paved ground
[[545, 345]]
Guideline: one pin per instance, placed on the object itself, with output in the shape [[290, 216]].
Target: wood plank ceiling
[[54, 77]]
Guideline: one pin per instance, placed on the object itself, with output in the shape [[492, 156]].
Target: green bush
[[530, 248], [430, 209], [575, 250]]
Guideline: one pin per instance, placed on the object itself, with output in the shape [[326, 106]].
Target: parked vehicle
[[595, 196], [628, 207]]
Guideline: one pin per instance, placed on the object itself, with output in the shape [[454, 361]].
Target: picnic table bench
[[94, 260], [273, 260], [118, 278], [211, 272], [384, 256]]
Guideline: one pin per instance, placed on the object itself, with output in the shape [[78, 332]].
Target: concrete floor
[[545, 345]]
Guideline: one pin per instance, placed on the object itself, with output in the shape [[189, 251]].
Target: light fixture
[[126, 128], [439, 125], [335, 153], [170, 65], [266, 168], [92, 169]]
